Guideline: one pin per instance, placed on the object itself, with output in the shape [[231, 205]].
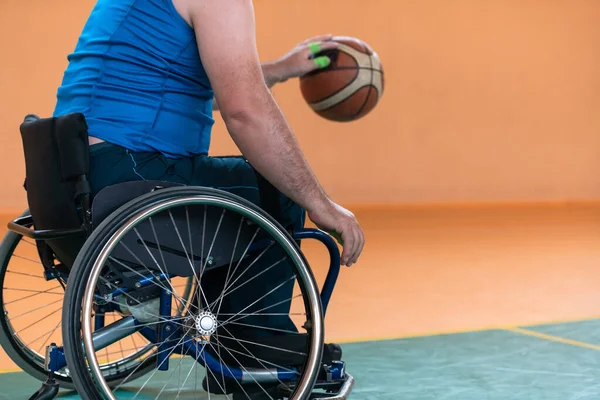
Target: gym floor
[[457, 303]]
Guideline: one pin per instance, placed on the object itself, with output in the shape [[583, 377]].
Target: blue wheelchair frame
[[177, 344]]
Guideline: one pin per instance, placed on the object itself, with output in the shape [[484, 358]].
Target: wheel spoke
[[245, 315], [201, 295], [179, 342], [119, 341], [32, 291], [217, 381], [248, 373], [48, 291], [170, 349], [265, 314], [49, 336], [159, 318], [190, 262], [117, 352], [36, 309], [24, 274], [223, 374], [227, 284], [171, 375], [28, 242], [203, 267], [39, 320], [194, 367], [263, 296], [154, 281], [237, 237], [265, 328], [255, 276], [261, 360], [156, 262], [264, 345], [27, 259], [225, 289]]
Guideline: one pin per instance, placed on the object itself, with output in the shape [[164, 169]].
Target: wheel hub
[[206, 323]]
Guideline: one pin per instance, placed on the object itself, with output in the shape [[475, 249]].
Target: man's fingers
[[320, 38], [348, 247], [360, 246], [317, 47], [322, 62], [356, 248], [314, 47], [329, 45]]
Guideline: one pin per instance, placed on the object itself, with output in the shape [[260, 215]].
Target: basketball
[[350, 87]]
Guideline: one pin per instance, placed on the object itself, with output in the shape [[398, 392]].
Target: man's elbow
[[237, 114], [243, 109], [241, 120]]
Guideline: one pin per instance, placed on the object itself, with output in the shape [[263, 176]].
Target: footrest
[[336, 389], [341, 392]]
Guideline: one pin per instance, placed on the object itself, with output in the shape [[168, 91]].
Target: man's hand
[[340, 222], [300, 60]]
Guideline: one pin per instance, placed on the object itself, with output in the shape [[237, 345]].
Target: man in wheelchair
[[196, 255]]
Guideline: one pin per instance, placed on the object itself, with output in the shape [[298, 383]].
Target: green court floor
[[548, 362]]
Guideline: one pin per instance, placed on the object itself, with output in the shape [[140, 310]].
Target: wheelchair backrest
[[56, 157]]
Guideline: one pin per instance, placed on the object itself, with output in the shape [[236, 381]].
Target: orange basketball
[[350, 87]]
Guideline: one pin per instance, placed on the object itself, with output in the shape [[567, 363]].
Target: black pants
[[112, 164]]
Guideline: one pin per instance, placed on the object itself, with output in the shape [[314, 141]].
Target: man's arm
[[225, 33], [273, 74], [297, 62]]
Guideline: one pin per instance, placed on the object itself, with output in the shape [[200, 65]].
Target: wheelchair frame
[[337, 377]]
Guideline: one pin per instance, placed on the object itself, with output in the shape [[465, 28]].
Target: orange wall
[[486, 101]]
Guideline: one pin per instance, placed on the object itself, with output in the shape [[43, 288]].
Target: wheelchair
[[133, 290]]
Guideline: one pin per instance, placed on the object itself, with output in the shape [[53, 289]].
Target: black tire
[[30, 363]]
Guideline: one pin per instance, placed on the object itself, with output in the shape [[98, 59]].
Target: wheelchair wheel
[[32, 311], [222, 242], [31, 306]]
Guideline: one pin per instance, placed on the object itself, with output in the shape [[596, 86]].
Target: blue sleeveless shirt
[[137, 77]]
